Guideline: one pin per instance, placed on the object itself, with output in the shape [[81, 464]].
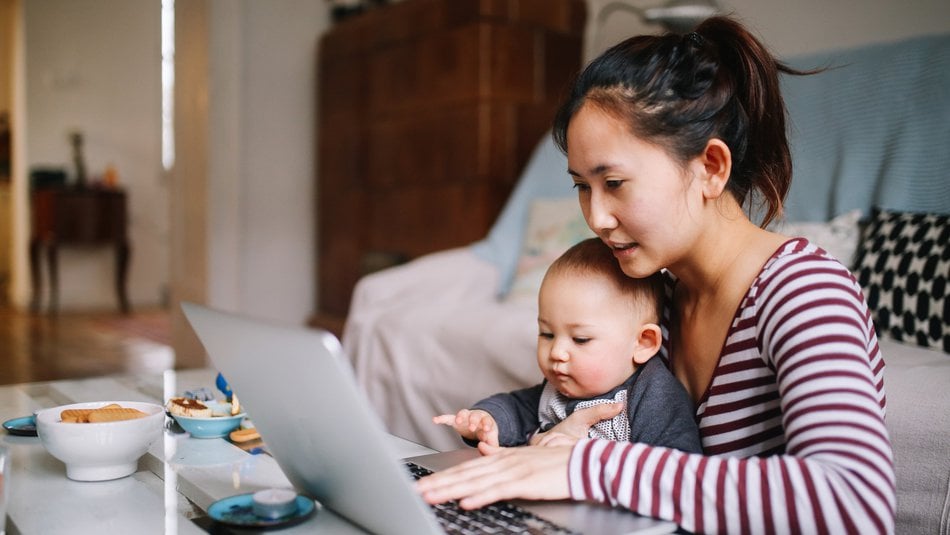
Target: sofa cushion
[[839, 237], [554, 225], [545, 176], [918, 421], [903, 265]]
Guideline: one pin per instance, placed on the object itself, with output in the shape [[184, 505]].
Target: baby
[[597, 333]]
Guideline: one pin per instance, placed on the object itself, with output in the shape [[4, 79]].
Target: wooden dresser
[[428, 111]]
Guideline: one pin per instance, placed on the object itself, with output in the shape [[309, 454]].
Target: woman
[[667, 138]]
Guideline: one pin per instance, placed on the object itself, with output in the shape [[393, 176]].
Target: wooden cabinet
[[428, 111]]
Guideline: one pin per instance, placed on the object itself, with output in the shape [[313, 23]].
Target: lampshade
[[677, 15]]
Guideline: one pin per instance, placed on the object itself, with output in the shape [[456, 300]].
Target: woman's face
[[634, 196]]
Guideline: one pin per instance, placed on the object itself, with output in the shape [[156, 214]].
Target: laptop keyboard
[[500, 517]]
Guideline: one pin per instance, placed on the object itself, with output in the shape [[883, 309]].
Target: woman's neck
[[726, 253]]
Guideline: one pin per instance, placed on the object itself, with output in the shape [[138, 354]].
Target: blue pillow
[[544, 176]]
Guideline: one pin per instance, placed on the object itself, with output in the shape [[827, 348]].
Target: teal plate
[[25, 426], [237, 511]]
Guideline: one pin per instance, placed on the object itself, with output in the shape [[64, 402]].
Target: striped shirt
[[792, 423]]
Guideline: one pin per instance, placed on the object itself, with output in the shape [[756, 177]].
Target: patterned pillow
[[903, 265], [554, 225]]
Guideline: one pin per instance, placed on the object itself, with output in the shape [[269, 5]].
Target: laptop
[[299, 388]]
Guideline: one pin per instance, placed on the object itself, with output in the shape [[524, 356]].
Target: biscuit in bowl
[[113, 412]]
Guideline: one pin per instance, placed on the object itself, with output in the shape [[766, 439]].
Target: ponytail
[[680, 91]]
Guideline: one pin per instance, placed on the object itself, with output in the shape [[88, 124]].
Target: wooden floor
[[41, 347]]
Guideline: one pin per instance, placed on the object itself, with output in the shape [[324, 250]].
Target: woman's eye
[[613, 184], [580, 341], [581, 188]]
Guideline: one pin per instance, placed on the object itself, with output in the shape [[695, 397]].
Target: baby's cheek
[[595, 379]]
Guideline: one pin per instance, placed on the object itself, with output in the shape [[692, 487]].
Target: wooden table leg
[[52, 258], [36, 274], [123, 252]]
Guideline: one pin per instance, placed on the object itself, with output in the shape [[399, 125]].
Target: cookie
[[188, 407], [114, 415]]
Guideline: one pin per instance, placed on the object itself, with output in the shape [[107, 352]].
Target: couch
[[870, 140]]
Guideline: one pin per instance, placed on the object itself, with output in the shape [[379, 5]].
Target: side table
[[77, 216]]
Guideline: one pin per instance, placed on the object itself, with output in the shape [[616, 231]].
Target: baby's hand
[[471, 424]]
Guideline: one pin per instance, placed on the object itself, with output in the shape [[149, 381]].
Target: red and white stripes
[[792, 423]]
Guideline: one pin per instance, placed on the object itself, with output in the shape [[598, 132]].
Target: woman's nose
[[599, 214]]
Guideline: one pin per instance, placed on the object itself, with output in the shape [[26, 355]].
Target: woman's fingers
[[577, 425], [556, 439], [502, 473], [586, 418]]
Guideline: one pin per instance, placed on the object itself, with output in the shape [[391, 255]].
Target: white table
[[176, 481]]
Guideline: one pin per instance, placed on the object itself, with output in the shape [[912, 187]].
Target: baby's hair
[[592, 256], [680, 91]]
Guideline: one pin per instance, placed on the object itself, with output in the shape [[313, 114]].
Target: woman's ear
[[716, 161], [648, 343]]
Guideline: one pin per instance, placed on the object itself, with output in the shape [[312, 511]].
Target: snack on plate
[[244, 435], [188, 407], [112, 412], [235, 405]]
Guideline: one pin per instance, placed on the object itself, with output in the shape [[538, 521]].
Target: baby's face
[[587, 333]]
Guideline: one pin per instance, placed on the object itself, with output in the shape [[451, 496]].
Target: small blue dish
[[238, 511], [25, 426], [214, 427]]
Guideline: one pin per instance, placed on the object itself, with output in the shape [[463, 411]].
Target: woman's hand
[[531, 472], [471, 424], [576, 426]]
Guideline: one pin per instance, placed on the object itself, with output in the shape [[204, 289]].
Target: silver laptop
[[299, 389]]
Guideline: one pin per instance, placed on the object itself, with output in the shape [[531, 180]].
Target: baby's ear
[[648, 343]]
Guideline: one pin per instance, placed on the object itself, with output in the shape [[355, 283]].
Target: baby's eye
[[579, 340], [546, 336]]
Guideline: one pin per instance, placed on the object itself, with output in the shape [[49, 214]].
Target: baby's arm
[[474, 424]]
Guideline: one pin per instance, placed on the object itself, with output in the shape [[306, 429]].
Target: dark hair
[[680, 91], [593, 256]]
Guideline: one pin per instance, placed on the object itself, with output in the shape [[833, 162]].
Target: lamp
[[677, 15]]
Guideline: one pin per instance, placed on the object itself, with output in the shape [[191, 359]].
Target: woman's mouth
[[621, 249]]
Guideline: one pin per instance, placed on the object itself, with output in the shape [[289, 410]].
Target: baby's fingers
[[488, 434], [444, 419]]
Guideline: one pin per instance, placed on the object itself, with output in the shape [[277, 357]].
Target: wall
[[262, 159], [93, 65], [243, 202]]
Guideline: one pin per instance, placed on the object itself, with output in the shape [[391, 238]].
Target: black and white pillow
[[903, 265]]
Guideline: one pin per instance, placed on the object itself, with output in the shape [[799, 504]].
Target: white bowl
[[100, 451]]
